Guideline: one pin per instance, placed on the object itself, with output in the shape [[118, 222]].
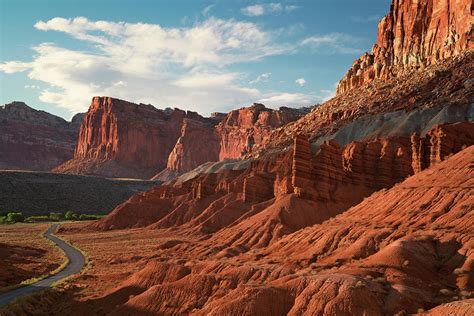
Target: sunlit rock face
[[242, 130], [122, 139], [413, 35]]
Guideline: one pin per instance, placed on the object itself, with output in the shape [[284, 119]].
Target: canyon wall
[[245, 128], [413, 35], [123, 139], [334, 178], [441, 142], [35, 140], [198, 143]]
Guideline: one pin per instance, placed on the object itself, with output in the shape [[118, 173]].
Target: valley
[[357, 204]]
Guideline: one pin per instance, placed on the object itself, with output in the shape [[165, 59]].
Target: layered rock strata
[[35, 140], [301, 167], [198, 143], [440, 142], [413, 35], [245, 128]]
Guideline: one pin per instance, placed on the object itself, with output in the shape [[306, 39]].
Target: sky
[[200, 55]]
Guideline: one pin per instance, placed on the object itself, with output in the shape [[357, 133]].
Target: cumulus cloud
[[148, 63], [278, 99], [261, 78], [289, 99], [333, 43], [267, 8], [300, 81]]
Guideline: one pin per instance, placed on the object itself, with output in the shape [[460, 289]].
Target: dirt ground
[[24, 254]]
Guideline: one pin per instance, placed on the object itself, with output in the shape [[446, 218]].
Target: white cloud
[[148, 63], [261, 78], [278, 99], [300, 81], [32, 87], [207, 10], [267, 8], [333, 43], [14, 66], [288, 99]]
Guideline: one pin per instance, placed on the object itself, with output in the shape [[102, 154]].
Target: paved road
[[76, 263]]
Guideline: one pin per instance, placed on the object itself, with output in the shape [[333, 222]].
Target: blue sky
[[198, 55]]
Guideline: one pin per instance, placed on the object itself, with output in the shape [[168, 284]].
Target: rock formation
[[375, 110], [301, 167], [340, 221], [198, 143], [400, 251], [439, 143], [123, 139], [245, 128], [35, 140], [413, 35], [258, 187]]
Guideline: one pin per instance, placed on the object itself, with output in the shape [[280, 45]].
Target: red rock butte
[[123, 139]]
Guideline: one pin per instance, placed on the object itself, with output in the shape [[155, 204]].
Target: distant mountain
[[35, 140], [124, 139]]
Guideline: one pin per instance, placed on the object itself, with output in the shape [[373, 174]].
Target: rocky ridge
[[35, 140], [336, 177], [415, 34], [402, 250], [445, 86], [123, 139]]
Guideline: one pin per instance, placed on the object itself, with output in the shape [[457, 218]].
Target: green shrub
[[71, 216], [56, 217], [15, 218]]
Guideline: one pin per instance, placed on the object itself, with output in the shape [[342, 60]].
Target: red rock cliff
[[123, 139], [439, 143], [35, 140], [245, 128], [415, 33], [198, 143]]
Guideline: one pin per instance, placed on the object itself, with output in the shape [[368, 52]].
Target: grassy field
[[25, 255]]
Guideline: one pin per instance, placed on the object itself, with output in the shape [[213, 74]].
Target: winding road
[[76, 263]]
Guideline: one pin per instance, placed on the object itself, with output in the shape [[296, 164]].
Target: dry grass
[[112, 255], [25, 256]]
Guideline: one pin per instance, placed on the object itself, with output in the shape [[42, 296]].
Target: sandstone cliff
[[245, 128], [439, 143], [35, 140], [334, 178], [413, 35], [123, 139], [399, 106]]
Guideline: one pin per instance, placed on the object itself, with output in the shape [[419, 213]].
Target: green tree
[[15, 218]]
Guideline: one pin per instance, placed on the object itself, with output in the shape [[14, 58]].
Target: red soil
[[401, 250]]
